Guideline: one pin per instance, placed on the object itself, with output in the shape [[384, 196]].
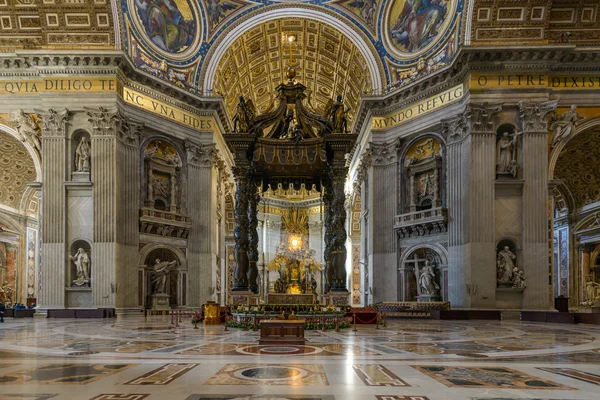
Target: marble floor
[[135, 358]]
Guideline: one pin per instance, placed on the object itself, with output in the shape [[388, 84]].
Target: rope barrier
[[364, 322]]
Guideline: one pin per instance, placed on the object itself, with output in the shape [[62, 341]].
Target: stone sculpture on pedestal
[[82, 261], [428, 288], [506, 265], [160, 297], [506, 154]]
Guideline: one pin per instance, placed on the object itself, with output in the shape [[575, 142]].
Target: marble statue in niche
[[426, 185], [83, 155], [81, 260], [506, 265], [427, 284], [27, 129], [562, 125], [506, 153], [161, 270], [592, 291]]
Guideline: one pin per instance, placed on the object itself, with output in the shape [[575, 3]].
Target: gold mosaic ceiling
[[326, 62]]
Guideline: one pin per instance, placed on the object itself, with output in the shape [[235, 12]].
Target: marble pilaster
[[534, 117], [383, 194], [52, 214], [200, 207], [471, 178]]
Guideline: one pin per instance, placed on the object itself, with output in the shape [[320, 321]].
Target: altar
[[288, 299]]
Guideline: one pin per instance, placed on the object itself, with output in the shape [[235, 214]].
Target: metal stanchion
[[354, 330], [176, 321], [324, 323], [226, 330], [337, 324], [172, 316]]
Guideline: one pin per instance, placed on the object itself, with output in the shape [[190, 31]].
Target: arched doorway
[[175, 281], [19, 242], [423, 274], [575, 170]]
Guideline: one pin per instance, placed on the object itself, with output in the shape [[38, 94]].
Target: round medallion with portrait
[[412, 27], [168, 26]]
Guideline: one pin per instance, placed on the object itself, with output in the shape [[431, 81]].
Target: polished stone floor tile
[[116, 396], [163, 375], [26, 396], [487, 377], [258, 396], [575, 374], [152, 359], [271, 374], [377, 375], [62, 374]]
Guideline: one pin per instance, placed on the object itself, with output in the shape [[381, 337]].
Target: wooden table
[[282, 332]]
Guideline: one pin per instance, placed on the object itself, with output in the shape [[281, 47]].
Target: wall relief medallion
[[170, 28], [412, 27]]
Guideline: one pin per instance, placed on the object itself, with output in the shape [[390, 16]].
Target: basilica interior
[[305, 199]]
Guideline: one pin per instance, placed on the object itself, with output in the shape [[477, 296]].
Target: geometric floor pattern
[[136, 358]]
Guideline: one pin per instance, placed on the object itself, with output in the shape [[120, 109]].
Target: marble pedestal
[[428, 297], [80, 176], [337, 298], [160, 302], [245, 298]]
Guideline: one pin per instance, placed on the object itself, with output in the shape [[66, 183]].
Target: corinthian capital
[[483, 116], [54, 122], [103, 120], [384, 153], [457, 128], [199, 154], [534, 116], [127, 130]]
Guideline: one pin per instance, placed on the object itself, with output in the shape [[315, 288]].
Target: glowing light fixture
[[295, 242]]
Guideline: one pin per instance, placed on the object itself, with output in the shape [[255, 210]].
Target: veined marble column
[[53, 218], [383, 198], [534, 117], [200, 205], [471, 182]]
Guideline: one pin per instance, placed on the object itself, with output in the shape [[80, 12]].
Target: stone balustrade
[[421, 223], [164, 223]]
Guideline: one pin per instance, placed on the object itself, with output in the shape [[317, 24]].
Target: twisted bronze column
[[241, 230]]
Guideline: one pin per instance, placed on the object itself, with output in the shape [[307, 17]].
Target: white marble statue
[[159, 279], [427, 282], [562, 125], [506, 265], [27, 129], [519, 279], [506, 153], [81, 260], [590, 290], [83, 154]]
